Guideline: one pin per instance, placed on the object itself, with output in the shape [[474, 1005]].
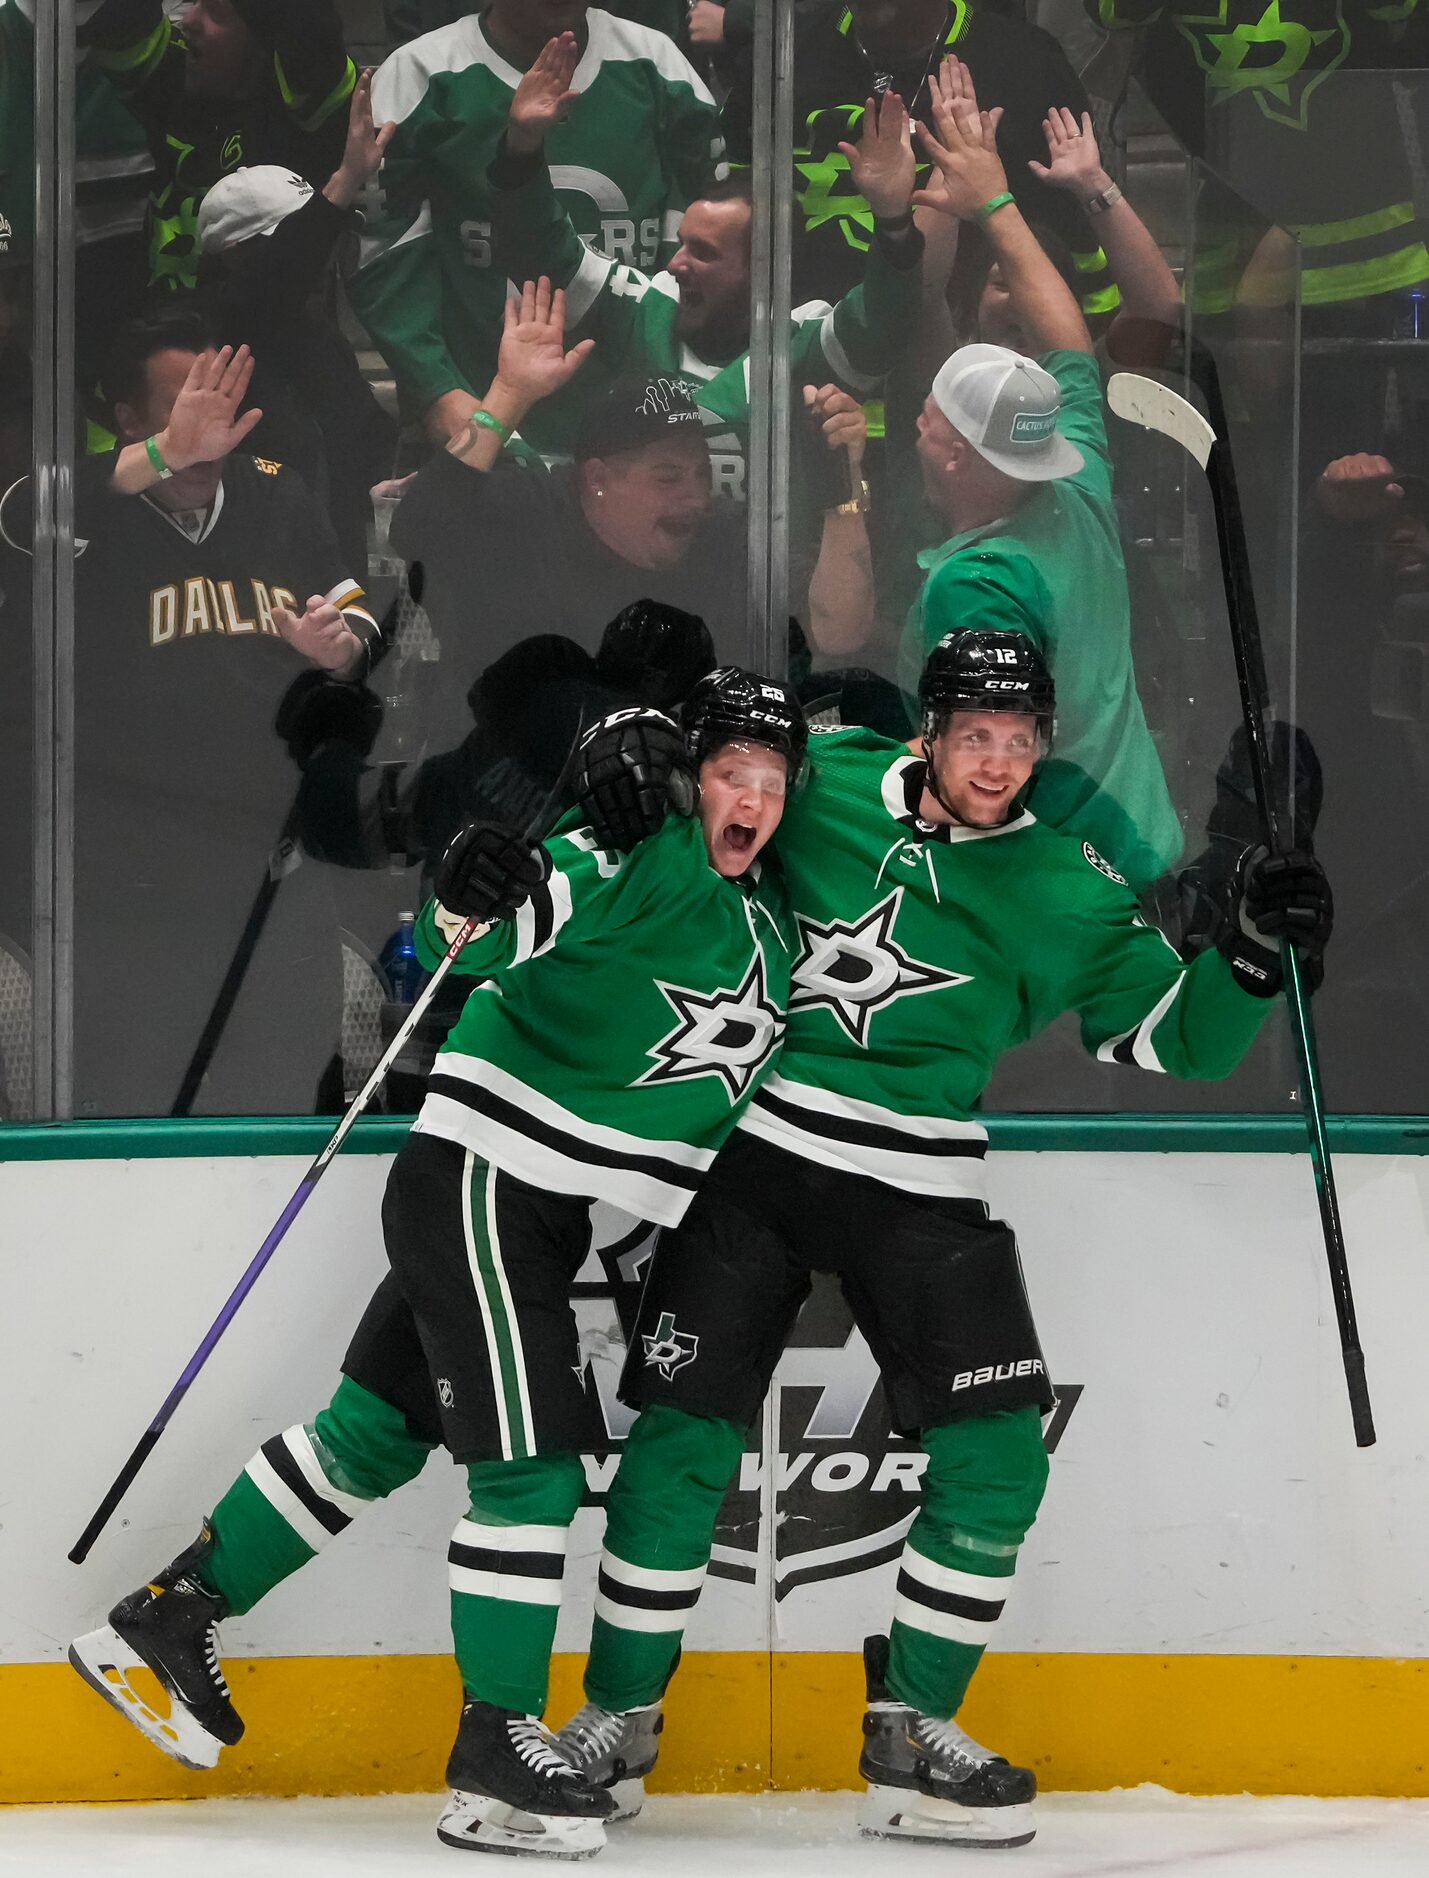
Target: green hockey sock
[[506, 1561], [304, 1487], [983, 1485], [660, 1517]]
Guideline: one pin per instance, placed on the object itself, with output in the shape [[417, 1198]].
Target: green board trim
[[305, 1135]]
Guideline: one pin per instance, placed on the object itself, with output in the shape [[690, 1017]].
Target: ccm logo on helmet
[[1005, 684], [996, 1372]]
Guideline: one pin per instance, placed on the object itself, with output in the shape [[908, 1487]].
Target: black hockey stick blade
[[1155, 406]]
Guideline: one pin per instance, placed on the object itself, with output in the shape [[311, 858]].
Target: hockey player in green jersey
[[628, 1008], [640, 144], [939, 923], [693, 321]]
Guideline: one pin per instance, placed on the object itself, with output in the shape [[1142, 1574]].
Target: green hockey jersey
[[632, 1008], [925, 952], [633, 318], [637, 145]]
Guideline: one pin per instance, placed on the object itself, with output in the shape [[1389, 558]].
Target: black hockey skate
[[928, 1780], [168, 1626], [512, 1791], [614, 1749]]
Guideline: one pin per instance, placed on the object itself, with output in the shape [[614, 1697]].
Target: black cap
[[637, 411]]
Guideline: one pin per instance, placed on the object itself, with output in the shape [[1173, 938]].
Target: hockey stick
[[540, 825], [1147, 402], [233, 979]]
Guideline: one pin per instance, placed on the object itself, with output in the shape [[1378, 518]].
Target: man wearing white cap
[[1014, 457], [268, 238]]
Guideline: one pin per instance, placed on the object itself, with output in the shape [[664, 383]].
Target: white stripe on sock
[[507, 1586], [299, 1444], [286, 1504], [922, 1617], [645, 1579], [512, 1538], [946, 1578], [628, 1617]]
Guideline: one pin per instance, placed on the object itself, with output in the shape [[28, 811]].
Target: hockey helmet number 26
[[984, 670], [731, 703]]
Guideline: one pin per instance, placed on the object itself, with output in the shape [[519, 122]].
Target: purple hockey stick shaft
[[145, 1445]]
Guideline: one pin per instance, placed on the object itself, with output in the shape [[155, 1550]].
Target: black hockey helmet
[[979, 669], [733, 703], [655, 653]]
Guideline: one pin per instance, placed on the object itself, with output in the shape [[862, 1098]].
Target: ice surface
[[1094, 1835]]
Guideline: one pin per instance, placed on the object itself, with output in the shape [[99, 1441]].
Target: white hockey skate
[[168, 1627], [929, 1780], [614, 1749], [513, 1792]]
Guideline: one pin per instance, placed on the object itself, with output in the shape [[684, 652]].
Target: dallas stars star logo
[[729, 1034], [669, 1349], [1280, 60], [854, 968]]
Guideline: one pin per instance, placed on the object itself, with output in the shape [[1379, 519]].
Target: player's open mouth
[[738, 836]]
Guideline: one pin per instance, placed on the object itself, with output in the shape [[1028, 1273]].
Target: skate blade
[[104, 1659], [904, 1813], [629, 1797], [473, 1822]]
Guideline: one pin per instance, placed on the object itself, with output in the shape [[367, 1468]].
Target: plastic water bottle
[[1412, 320], [399, 962]]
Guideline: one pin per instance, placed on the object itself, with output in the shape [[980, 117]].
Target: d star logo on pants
[[668, 1350]]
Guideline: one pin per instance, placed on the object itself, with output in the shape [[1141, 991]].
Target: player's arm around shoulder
[[532, 898]]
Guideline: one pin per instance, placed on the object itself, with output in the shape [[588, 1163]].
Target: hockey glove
[[1278, 896], [631, 767], [318, 710], [488, 873]]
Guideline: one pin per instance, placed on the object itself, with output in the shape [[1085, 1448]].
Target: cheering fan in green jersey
[[939, 922], [692, 321], [628, 1009]]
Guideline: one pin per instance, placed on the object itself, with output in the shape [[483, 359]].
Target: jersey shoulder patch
[[1093, 859], [267, 465]]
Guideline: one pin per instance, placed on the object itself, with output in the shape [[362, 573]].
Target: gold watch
[[856, 505]]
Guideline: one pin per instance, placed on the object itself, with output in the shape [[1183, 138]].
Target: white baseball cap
[[249, 202], [1006, 406]]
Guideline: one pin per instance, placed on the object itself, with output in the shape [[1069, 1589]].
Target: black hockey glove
[[630, 768], [317, 710], [489, 873], [1277, 896]]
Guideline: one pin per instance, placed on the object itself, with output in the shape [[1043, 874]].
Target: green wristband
[[161, 468], [485, 421], [993, 204]]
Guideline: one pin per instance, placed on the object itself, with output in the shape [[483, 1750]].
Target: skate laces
[[535, 1745], [947, 1738], [215, 1674], [596, 1731]]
